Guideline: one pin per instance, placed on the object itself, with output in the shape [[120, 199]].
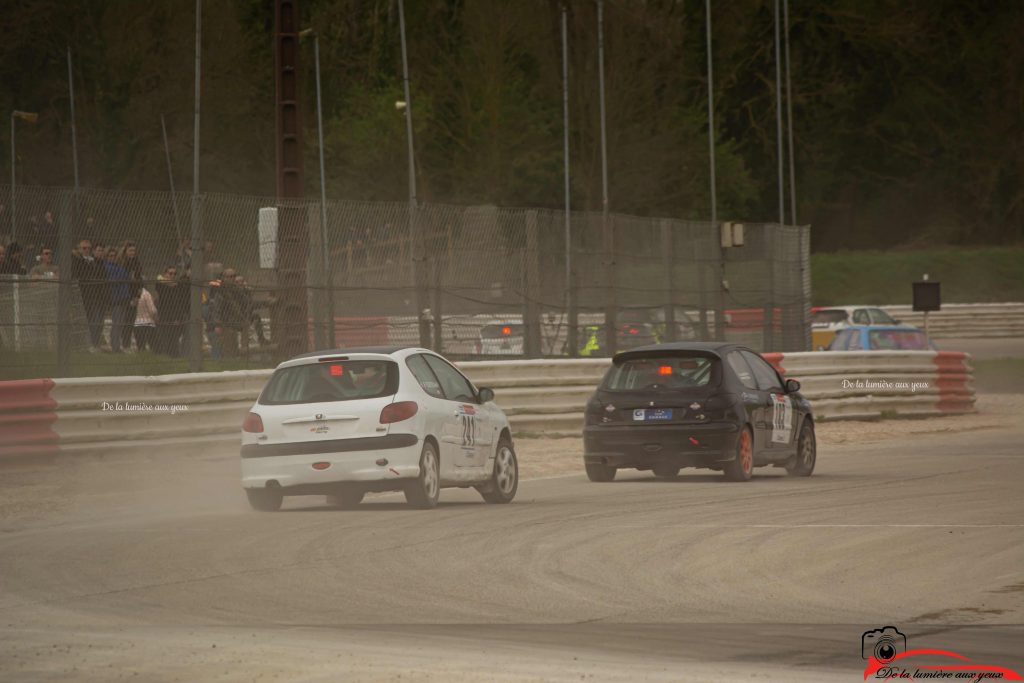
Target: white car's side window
[[424, 375], [456, 387]]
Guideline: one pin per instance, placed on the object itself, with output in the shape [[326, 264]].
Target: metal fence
[[478, 281]]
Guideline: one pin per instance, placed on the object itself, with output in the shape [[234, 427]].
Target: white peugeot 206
[[344, 423]]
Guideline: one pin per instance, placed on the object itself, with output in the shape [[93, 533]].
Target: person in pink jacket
[[145, 321]]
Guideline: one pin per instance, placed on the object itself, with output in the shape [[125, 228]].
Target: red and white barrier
[[38, 417]]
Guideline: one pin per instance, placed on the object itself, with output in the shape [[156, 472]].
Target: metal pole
[[14, 204], [170, 178], [715, 237], [329, 323], [789, 118], [414, 230], [770, 234], [74, 137], [611, 336], [195, 349], [571, 316]]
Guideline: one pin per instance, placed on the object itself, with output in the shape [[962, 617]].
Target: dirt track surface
[[154, 569]]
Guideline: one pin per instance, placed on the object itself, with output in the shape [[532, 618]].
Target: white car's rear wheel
[[424, 491], [346, 498], [264, 500]]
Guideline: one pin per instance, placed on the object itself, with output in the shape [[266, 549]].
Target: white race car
[[342, 423]]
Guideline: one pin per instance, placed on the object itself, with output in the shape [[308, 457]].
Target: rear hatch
[[329, 398], [659, 388]]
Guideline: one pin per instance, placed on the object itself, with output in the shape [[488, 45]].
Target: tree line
[[908, 115]]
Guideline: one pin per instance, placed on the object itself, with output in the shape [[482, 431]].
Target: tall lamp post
[[27, 117], [327, 339]]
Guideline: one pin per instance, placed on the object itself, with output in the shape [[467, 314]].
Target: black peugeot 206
[[719, 406]]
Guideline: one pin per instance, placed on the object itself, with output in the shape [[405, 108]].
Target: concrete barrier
[[966, 320], [101, 415]]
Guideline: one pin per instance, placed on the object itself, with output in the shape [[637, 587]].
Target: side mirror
[[792, 386], [485, 395]]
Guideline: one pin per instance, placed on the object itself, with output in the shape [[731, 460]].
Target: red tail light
[[396, 412], [253, 423]]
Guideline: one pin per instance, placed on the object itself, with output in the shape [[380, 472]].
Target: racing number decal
[[782, 418], [468, 430], [467, 415]]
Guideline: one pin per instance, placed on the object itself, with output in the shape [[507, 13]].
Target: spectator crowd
[[124, 311]]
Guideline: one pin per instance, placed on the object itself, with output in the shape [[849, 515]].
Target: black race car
[[690, 404]]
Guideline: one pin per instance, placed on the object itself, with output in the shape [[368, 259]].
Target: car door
[[779, 408], [470, 440], [755, 400]]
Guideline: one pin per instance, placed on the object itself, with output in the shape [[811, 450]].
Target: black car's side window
[[455, 386], [742, 370], [767, 378], [424, 375]]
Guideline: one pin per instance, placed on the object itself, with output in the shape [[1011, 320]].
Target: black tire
[[741, 468], [806, 456], [600, 473], [504, 481], [346, 498], [264, 500], [424, 491], [666, 471]]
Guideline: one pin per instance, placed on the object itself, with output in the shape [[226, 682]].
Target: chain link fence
[[468, 281]]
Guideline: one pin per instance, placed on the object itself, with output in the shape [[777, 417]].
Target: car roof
[[876, 328], [715, 348], [384, 350]]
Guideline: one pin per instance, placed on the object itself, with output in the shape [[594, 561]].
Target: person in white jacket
[[145, 321]]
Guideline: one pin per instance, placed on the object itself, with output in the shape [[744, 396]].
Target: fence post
[[531, 289], [572, 302], [64, 247], [437, 293], [611, 336], [768, 330], [716, 241], [668, 253]]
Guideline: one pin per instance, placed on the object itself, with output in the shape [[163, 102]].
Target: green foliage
[[907, 115], [875, 277]]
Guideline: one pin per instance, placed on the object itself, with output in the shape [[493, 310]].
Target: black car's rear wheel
[[598, 472], [666, 470], [806, 456], [741, 468]]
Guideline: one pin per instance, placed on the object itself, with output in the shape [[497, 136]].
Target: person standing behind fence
[[134, 267], [230, 315], [92, 284], [172, 310], [145, 320], [12, 264], [117, 278], [46, 269]]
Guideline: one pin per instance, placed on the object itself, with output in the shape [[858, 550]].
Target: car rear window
[[343, 380], [901, 340], [500, 331], [828, 317], [660, 372]]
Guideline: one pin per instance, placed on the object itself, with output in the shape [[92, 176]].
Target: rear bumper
[[290, 466], [644, 446]]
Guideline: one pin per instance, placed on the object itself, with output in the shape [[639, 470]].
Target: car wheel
[[666, 471], [264, 500], [346, 498], [505, 479], [599, 472], [741, 468], [806, 452], [423, 491]]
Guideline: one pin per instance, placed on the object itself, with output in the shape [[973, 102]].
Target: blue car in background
[[881, 338]]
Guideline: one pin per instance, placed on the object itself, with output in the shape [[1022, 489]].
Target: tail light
[[720, 406], [396, 412], [596, 413], [253, 424]]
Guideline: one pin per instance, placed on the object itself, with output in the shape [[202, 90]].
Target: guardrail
[[966, 320], [42, 417]]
